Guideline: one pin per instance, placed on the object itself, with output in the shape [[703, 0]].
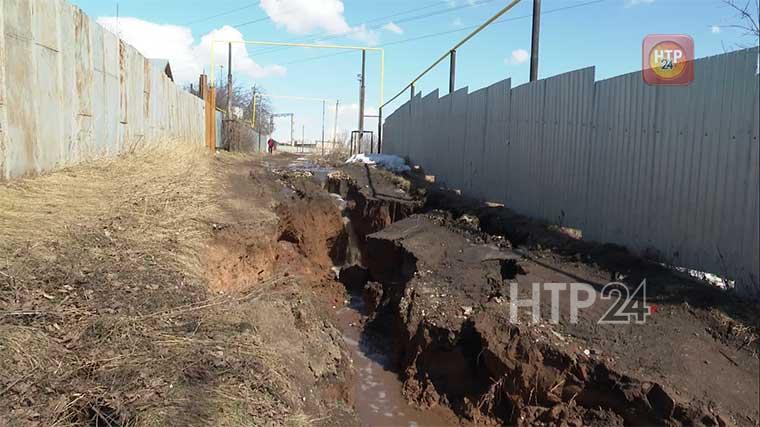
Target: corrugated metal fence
[[71, 90], [669, 171]]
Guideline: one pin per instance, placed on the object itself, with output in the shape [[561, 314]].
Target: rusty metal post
[[202, 86], [209, 97], [212, 110], [203, 92]]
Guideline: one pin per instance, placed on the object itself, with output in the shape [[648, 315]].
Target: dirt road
[[172, 288]]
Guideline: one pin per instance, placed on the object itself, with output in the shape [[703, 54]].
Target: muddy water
[[378, 398]]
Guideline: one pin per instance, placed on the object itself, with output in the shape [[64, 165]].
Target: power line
[[333, 36], [382, 18], [228, 12], [255, 21], [401, 21], [459, 30]]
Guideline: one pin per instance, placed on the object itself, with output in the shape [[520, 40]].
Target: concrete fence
[[70, 90], [668, 171]]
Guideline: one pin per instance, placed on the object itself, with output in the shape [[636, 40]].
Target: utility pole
[[361, 95], [380, 130], [534, 40], [271, 126], [253, 108], [361, 91], [324, 105], [292, 130], [335, 124], [452, 71], [229, 82], [253, 119]]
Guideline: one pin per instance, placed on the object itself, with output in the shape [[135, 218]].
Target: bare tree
[[242, 99], [748, 13]]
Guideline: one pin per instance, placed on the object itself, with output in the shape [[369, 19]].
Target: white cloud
[[631, 3], [308, 16], [455, 3], [348, 118], [457, 22], [363, 34], [392, 27], [518, 56], [715, 29], [177, 44], [241, 61]]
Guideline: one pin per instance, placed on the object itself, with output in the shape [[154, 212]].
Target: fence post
[[207, 94]]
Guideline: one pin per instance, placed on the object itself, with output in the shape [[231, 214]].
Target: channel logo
[[668, 59]]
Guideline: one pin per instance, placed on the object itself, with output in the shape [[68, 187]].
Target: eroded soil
[[194, 305], [437, 288], [295, 291]]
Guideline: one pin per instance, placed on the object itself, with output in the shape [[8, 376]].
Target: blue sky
[[575, 34]]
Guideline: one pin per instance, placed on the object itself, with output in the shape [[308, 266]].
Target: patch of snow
[[390, 162], [712, 279]]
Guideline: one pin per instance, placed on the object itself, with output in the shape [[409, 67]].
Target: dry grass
[[105, 314], [165, 189]]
